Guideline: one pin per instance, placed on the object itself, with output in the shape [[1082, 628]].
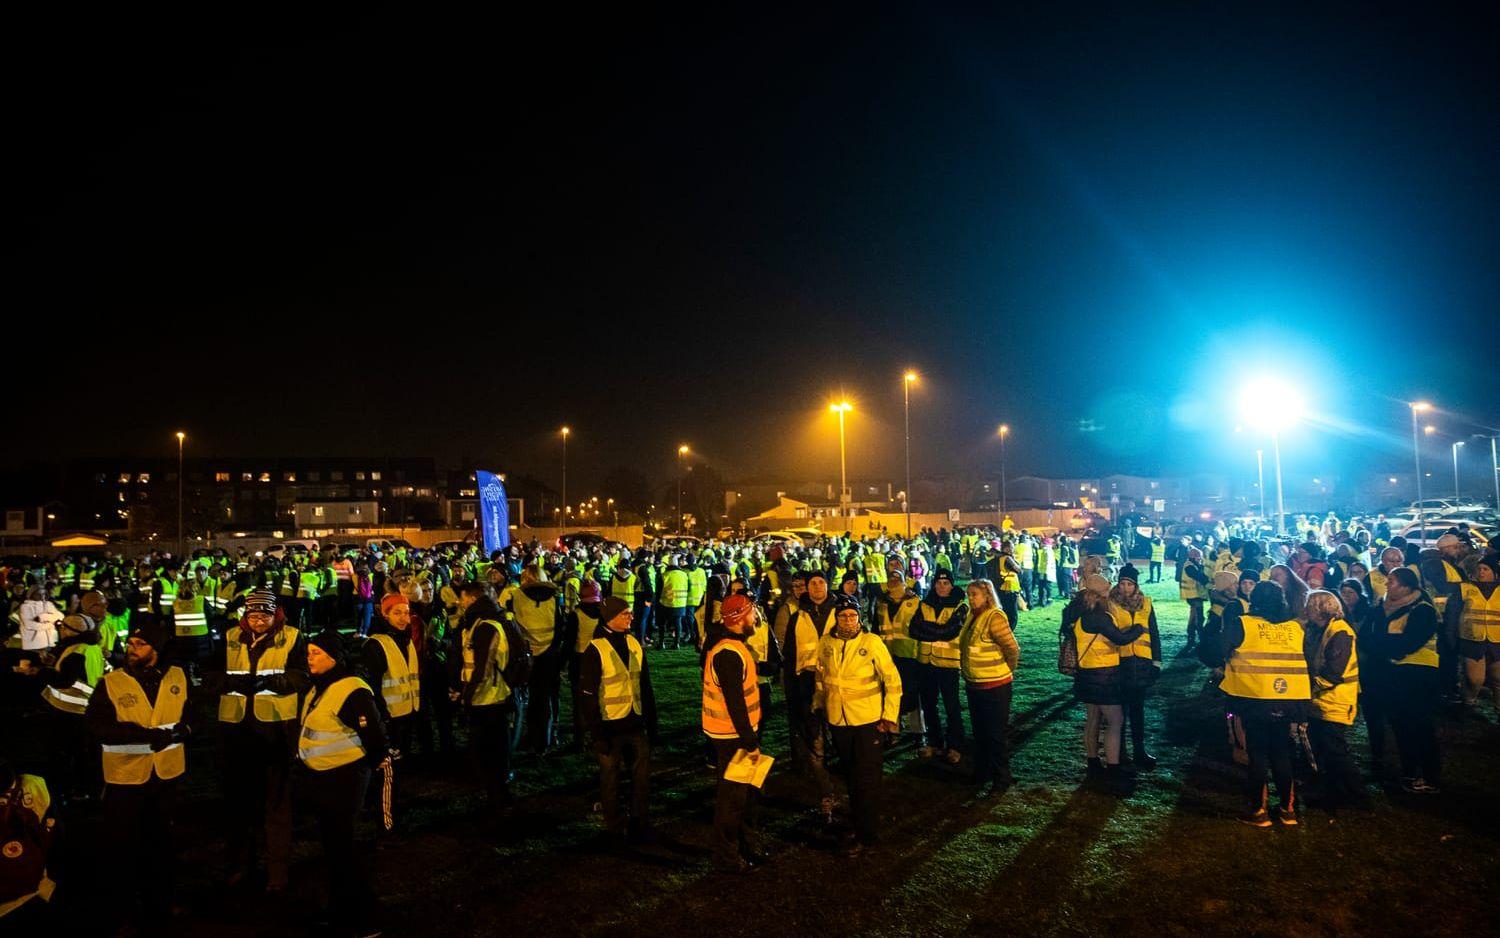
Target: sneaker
[[1257, 818], [1286, 817]]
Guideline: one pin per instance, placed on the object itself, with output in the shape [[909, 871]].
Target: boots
[[1144, 760]]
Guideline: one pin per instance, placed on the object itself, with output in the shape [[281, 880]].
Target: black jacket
[[591, 670]]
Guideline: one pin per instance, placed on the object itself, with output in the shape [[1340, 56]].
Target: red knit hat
[[391, 601]]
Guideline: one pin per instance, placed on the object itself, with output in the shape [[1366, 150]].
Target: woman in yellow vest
[[580, 625], [618, 713], [1099, 682], [1265, 671], [341, 740], [731, 715], [1335, 697], [389, 660], [1193, 583], [1474, 616], [139, 716], [989, 655], [936, 625], [1140, 661], [1404, 630]]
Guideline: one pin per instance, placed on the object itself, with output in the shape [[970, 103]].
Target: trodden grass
[[1050, 856]]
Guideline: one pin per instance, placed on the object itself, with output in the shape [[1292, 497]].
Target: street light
[[611, 503], [1004, 432], [565, 432], [1271, 404], [1260, 480], [842, 408], [681, 452], [1456, 445], [911, 377], [1416, 455], [181, 437]]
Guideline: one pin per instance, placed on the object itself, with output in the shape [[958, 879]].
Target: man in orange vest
[[731, 720]]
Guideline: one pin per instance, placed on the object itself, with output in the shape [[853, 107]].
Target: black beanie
[[149, 628], [612, 607], [1129, 572], [331, 643]]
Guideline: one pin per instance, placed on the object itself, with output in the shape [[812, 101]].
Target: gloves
[[161, 738]]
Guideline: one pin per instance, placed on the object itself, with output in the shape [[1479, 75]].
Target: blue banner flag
[[494, 512]]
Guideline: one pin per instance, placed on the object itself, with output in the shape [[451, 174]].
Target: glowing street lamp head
[[566, 431], [1429, 429], [1004, 429], [911, 376], [842, 407], [1421, 406], [682, 450], [1458, 443], [1270, 404], [181, 436]]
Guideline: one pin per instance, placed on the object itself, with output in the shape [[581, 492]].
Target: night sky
[[406, 232]]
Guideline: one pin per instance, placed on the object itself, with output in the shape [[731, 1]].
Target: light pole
[[1416, 455], [1260, 480], [1272, 404], [181, 437], [682, 451], [1456, 496], [565, 432], [1004, 432], [1495, 472], [842, 408], [911, 376]]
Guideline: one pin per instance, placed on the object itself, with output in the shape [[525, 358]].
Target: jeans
[[365, 612], [941, 682], [1155, 572], [1008, 605], [643, 622], [861, 755], [1108, 717], [990, 712], [1195, 620], [1268, 743]]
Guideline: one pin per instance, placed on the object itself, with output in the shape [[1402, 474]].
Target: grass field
[[1048, 857]]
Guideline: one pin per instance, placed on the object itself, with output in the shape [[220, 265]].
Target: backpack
[[517, 671], [26, 839]]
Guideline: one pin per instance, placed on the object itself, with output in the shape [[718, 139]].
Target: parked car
[[1435, 529]]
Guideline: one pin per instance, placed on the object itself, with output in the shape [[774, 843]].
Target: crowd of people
[[323, 673]]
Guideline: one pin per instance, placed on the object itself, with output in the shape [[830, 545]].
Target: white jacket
[[39, 620]]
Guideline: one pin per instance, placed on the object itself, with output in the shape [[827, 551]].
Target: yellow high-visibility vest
[[623, 587], [189, 618], [1141, 647], [326, 742], [135, 763], [75, 697], [983, 660], [896, 630], [1336, 703], [1427, 655], [1094, 650], [1480, 620], [269, 707], [538, 620], [400, 688], [939, 654], [716, 721], [1269, 664], [619, 681], [586, 626], [491, 688], [805, 637]]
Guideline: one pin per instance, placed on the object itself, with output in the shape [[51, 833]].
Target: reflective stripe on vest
[[1094, 650], [586, 626], [716, 721], [1336, 703], [983, 661], [75, 697], [897, 631], [623, 588], [619, 683], [674, 588], [491, 688], [1124, 619], [270, 707], [537, 619], [188, 617], [399, 687], [135, 763], [1480, 619], [325, 742], [805, 637], [1269, 664]]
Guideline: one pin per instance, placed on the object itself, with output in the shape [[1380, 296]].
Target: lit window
[[335, 477], [424, 493], [221, 477], [289, 477], [354, 512], [317, 511], [374, 475], [359, 476], [124, 478], [145, 478], [265, 477], [247, 477]]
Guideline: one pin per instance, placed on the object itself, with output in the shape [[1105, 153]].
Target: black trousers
[[1155, 572], [736, 809], [1268, 743], [625, 751], [138, 823], [489, 749], [990, 712], [72, 759], [1008, 605], [437, 709], [805, 732], [1342, 783], [257, 798], [1413, 697], [1195, 620], [941, 683], [335, 797], [861, 753], [1377, 722], [911, 697], [543, 699]]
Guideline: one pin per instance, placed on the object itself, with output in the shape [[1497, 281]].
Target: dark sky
[[405, 231]]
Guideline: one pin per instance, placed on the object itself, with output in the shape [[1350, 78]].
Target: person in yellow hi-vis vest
[[618, 712], [341, 741], [1335, 699], [731, 721], [1405, 629], [989, 656], [939, 618], [858, 690], [388, 660], [265, 674], [139, 715], [1474, 616], [1265, 670], [76, 666]]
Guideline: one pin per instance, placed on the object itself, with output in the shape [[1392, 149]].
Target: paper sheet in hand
[[742, 770]]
